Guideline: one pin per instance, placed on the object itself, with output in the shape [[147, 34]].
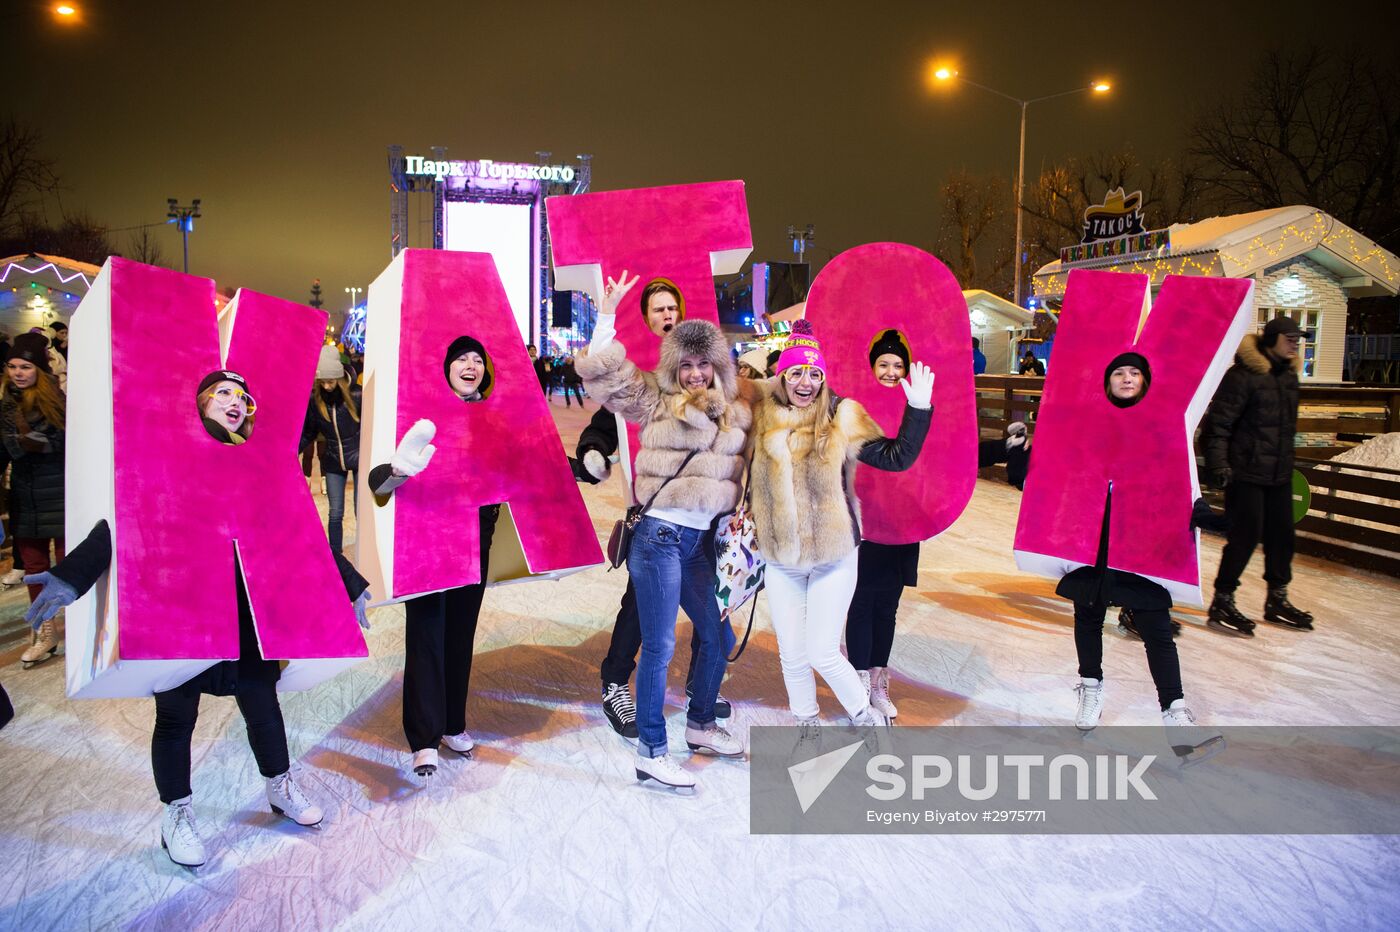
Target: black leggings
[[1156, 628], [177, 710], [870, 625]]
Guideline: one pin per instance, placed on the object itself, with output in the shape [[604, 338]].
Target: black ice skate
[[1280, 611], [1224, 616]]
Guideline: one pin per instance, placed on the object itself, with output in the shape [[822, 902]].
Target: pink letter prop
[[186, 511], [1083, 443], [685, 233], [503, 449], [859, 295]]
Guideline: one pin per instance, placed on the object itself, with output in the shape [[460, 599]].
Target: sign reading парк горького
[[485, 168], [1113, 229]]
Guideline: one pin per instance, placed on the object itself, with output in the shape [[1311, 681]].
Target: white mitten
[[415, 449], [918, 388], [597, 465]]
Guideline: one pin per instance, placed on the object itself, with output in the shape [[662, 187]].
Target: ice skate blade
[[277, 811], [682, 788], [172, 857], [1225, 629], [1279, 622], [1189, 755], [425, 771], [1125, 632], [711, 752]]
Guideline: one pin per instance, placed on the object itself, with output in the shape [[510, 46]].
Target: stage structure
[[486, 206]]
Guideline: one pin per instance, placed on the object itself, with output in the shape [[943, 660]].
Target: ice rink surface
[[546, 827]]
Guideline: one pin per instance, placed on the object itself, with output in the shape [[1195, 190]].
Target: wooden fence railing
[[1362, 531]]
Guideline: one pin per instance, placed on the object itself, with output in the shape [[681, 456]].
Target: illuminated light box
[[506, 232], [186, 511], [857, 297], [1083, 442], [503, 449]]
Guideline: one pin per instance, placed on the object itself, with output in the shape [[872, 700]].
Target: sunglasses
[[227, 396]]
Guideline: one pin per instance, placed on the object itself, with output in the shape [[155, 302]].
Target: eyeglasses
[[225, 397], [795, 374]]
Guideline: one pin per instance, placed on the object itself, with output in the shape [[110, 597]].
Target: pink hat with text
[[801, 349]]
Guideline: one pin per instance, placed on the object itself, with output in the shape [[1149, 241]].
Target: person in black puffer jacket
[[334, 416], [32, 417], [1248, 442]]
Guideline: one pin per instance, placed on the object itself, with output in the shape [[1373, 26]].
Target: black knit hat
[[891, 343], [31, 347], [1278, 327], [1137, 361], [466, 344], [222, 375]]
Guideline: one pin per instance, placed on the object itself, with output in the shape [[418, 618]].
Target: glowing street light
[[66, 11], [352, 292], [948, 73]]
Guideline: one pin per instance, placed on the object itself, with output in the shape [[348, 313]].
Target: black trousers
[[870, 625], [439, 638], [178, 709], [626, 642], [7, 711], [1155, 626], [1257, 512], [577, 389]]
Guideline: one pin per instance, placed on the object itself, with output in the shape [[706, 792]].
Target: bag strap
[[679, 469], [745, 642]]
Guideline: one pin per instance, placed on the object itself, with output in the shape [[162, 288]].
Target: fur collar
[[1253, 357]]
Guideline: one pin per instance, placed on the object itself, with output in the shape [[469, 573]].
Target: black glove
[[1207, 518], [1220, 478]]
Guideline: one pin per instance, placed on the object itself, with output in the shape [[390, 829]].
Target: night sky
[[278, 115]]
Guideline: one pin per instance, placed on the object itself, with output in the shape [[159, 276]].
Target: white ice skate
[[1193, 743], [663, 770], [287, 799], [179, 835], [1090, 703], [425, 762], [461, 743], [880, 692], [712, 739]]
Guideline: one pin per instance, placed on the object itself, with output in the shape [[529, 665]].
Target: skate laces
[[289, 791], [1180, 716], [621, 702], [185, 831]]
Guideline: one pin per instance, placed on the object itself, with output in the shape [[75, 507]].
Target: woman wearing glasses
[[226, 409], [806, 444]]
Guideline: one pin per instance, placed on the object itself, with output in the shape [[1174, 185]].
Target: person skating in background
[[226, 409], [541, 366], [1031, 365], [1093, 589], [333, 418], [883, 570], [806, 442], [661, 307], [572, 382], [440, 627], [32, 417], [695, 414], [1248, 438]]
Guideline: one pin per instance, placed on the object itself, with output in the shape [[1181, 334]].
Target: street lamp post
[[1096, 87], [352, 292], [184, 217]]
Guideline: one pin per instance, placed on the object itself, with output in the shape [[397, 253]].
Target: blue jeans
[[673, 567], [335, 496]]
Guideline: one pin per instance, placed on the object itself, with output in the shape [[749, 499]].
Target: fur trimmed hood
[[696, 338], [1252, 356]]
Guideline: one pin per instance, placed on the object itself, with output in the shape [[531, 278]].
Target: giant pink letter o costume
[[859, 295], [503, 449], [1083, 443], [186, 511]]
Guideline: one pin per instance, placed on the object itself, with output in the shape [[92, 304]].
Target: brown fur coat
[[674, 422], [803, 491]]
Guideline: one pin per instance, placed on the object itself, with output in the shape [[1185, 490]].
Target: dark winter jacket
[[341, 432], [887, 566], [36, 476], [1252, 420], [1099, 585]]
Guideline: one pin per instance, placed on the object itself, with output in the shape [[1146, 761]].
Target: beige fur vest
[[803, 510], [674, 423]]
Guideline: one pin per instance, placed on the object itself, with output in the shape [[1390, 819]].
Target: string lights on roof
[[1320, 232], [4, 276]]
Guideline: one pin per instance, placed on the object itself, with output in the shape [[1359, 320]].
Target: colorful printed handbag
[[738, 563]]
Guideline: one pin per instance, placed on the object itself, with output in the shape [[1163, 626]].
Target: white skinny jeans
[[809, 613]]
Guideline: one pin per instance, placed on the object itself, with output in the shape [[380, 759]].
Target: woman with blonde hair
[[806, 443], [32, 418]]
